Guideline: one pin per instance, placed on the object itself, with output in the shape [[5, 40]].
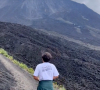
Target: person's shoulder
[[39, 65], [52, 64]]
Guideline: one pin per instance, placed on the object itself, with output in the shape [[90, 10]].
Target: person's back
[[45, 73]]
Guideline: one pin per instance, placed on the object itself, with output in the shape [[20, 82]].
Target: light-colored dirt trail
[[24, 81]]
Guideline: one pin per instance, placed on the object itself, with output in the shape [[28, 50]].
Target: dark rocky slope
[[12, 77], [79, 67], [63, 16], [6, 78]]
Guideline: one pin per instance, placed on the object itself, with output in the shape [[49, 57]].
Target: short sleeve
[[55, 73], [36, 72]]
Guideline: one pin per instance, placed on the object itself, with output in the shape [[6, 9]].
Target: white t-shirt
[[45, 71]]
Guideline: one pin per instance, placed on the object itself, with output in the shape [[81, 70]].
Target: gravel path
[[24, 81]]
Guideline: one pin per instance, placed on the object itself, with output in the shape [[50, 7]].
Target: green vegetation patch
[[20, 64]]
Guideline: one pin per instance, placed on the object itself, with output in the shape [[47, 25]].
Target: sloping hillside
[[63, 16], [14, 78], [6, 78], [79, 67]]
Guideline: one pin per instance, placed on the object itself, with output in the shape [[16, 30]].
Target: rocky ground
[[79, 67], [14, 78], [6, 78]]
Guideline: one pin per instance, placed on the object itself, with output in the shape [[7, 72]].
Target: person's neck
[[45, 62]]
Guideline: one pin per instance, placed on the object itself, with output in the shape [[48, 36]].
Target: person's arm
[[36, 78], [55, 77], [36, 73], [55, 74]]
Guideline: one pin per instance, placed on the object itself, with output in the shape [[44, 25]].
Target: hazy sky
[[93, 4]]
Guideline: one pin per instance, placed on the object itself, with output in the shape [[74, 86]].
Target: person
[[45, 73]]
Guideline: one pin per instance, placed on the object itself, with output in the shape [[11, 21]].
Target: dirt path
[[24, 81]]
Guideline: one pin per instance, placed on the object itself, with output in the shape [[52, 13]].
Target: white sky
[[93, 4]]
